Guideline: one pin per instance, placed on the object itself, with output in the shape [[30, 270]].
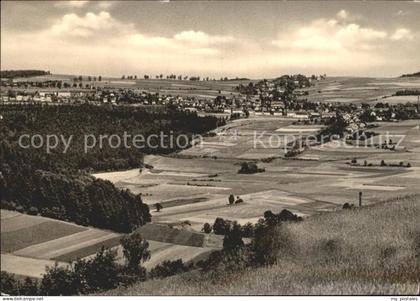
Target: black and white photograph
[[210, 148]]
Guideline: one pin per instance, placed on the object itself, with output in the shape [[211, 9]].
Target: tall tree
[[135, 250]]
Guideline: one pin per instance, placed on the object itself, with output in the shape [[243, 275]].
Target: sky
[[254, 39]]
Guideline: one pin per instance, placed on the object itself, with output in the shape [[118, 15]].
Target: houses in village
[[284, 96], [45, 95]]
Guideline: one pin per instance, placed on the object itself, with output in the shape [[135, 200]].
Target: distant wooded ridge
[[417, 74], [22, 73]]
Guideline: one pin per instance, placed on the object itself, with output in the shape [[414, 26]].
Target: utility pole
[[418, 110]]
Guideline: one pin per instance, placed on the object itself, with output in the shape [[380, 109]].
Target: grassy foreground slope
[[373, 250]]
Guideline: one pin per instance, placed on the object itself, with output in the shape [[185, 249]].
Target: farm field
[[358, 90], [30, 243], [195, 184]]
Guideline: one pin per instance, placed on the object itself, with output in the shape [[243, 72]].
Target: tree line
[[407, 92], [22, 73]]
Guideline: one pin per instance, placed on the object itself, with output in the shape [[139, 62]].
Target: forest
[[415, 74], [22, 73], [59, 184]]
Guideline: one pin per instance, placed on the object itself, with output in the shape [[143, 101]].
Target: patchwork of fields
[[194, 185], [31, 243]]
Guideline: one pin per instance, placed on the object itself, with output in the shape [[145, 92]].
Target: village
[[286, 96]]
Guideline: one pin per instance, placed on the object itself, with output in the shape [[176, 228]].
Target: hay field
[[342, 253]]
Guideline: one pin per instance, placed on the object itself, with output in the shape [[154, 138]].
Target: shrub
[[33, 210], [168, 268], [59, 281], [53, 212], [11, 286], [292, 153], [20, 209], [221, 262], [98, 273], [284, 216], [207, 228], [221, 226], [269, 215], [348, 206], [29, 287], [271, 239], [233, 237], [8, 284], [248, 230], [231, 199], [250, 168], [158, 207], [8, 205], [46, 212], [265, 244]]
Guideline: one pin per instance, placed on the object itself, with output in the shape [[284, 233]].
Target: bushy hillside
[[373, 250]]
